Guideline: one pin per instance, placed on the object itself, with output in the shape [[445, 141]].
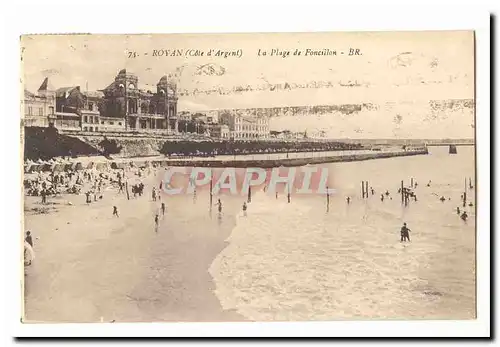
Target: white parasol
[[29, 254]]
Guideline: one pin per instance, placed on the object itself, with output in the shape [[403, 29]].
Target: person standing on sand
[[245, 209], [44, 196], [405, 233], [163, 208], [348, 199], [28, 238], [115, 211], [154, 194]]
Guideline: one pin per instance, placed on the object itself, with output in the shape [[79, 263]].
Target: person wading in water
[[156, 223], [405, 233], [219, 203], [464, 216]]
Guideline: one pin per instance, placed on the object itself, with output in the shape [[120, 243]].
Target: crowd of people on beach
[[93, 183]]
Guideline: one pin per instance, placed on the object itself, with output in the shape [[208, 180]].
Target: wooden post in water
[[327, 200], [363, 189], [366, 189], [126, 188], [211, 188], [249, 199], [411, 184], [402, 192], [465, 192]]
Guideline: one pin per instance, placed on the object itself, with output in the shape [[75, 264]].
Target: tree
[[110, 146]]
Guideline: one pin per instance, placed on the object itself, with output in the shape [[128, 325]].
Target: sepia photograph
[[248, 177]]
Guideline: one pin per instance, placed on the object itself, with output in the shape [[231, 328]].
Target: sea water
[[304, 261]]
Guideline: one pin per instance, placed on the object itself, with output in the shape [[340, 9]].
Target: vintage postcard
[[249, 177]]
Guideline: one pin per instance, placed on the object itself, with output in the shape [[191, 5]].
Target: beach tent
[[46, 167], [34, 168], [68, 166], [78, 166], [102, 166], [118, 165], [58, 167], [90, 165]]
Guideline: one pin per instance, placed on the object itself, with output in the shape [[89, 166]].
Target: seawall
[[104, 164]]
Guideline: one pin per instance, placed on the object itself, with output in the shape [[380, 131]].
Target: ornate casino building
[[135, 109], [121, 106]]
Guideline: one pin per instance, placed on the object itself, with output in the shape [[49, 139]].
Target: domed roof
[[168, 80]]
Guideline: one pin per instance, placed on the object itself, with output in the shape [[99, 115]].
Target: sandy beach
[[94, 267]]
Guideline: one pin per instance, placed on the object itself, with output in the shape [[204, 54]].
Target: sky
[[406, 69]]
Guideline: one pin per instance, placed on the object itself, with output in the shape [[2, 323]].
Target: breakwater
[[289, 162]]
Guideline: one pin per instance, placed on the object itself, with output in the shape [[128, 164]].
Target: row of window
[[258, 121], [90, 119], [111, 123], [251, 128], [95, 120], [247, 135], [90, 129], [29, 110]]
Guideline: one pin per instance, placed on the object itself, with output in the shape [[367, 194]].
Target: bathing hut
[[59, 167], [118, 165], [102, 166], [453, 149]]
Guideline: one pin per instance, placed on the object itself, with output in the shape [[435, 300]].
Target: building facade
[[219, 131], [245, 125], [141, 109], [39, 108]]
